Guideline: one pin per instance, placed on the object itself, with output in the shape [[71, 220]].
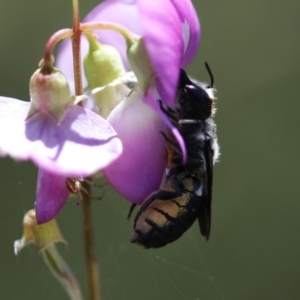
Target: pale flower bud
[[49, 92]]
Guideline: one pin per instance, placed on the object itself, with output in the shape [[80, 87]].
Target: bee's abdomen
[[164, 221]]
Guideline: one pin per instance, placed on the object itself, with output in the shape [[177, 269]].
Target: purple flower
[[61, 138], [58, 136], [170, 35]]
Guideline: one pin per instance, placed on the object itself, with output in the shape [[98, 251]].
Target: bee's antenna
[[210, 74]]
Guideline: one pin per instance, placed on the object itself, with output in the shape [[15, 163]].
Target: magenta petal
[[191, 29], [162, 26], [80, 145], [139, 170], [51, 195]]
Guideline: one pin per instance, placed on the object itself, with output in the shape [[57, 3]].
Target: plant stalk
[[92, 270]]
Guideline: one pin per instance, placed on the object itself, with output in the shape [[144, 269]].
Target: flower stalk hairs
[[95, 108]]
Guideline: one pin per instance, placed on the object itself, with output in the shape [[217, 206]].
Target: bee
[[186, 193]]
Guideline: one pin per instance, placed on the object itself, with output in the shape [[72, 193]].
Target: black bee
[[186, 193]]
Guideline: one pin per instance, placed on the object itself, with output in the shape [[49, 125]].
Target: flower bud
[[102, 65], [50, 92], [140, 63], [104, 71]]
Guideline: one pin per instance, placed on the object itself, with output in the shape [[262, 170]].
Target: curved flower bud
[[144, 158]]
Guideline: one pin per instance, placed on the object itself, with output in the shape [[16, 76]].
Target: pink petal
[[162, 26], [191, 29], [82, 144], [139, 170], [51, 195]]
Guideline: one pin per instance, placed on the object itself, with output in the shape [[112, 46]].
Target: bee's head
[[195, 98]]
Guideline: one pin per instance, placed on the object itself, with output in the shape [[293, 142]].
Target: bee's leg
[[169, 112], [131, 209], [172, 149], [171, 142]]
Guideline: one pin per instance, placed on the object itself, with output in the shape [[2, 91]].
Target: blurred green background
[[254, 250]]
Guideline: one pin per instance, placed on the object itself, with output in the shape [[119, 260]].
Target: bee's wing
[[204, 216]]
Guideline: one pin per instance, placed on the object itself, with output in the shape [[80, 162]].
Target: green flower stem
[[76, 15], [54, 39], [92, 271], [128, 35], [76, 48]]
